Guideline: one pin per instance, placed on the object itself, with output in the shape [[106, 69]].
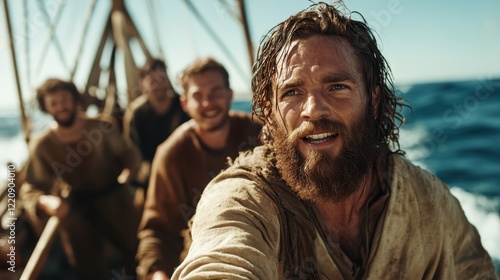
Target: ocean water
[[453, 130]]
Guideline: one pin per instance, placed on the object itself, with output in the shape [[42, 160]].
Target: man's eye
[[217, 94], [337, 87], [290, 93], [196, 97]]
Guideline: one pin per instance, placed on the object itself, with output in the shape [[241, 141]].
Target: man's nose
[[58, 106], [207, 101], [315, 107]]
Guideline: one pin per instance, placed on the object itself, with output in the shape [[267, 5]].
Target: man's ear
[[376, 101], [183, 101]]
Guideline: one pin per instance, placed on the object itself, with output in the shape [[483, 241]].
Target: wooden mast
[[24, 119], [123, 31], [120, 29], [246, 30]]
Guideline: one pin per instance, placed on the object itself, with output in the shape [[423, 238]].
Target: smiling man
[[184, 164], [76, 171], [329, 195]]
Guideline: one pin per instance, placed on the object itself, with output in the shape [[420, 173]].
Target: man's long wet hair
[[325, 19]]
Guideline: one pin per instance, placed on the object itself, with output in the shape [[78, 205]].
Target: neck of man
[[161, 106], [72, 133], [343, 220], [214, 139]]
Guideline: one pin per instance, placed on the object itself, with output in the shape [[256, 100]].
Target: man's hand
[[53, 205], [124, 177], [159, 275]]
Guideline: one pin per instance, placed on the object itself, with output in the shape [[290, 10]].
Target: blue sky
[[422, 40]]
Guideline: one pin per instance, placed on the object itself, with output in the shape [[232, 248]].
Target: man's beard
[[321, 176], [67, 122]]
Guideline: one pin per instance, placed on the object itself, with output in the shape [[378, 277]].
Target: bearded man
[[89, 159], [329, 195]]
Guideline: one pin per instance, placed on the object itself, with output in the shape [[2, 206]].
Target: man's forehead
[[58, 92], [205, 80], [309, 50], [158, 72], [299, 47]]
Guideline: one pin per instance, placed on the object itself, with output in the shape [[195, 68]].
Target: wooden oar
[[41, 251]]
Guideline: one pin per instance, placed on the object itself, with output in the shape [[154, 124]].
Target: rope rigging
[[216, 38], [51, 35]]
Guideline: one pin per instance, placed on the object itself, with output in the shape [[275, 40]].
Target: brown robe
[[101, 208], [181, 169]]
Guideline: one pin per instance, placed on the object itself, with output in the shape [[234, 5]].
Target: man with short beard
[[184, 164], [77, 171], [329, 195]]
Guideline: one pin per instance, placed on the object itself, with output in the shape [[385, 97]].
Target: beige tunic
[[248, 225]]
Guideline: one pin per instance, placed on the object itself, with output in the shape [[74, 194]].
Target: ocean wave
[[484, 213], [411, 141]]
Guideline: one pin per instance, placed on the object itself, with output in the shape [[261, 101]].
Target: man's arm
[[129, 127], [132, 138], [160, 242], [127, 153], [235, 234], [36, 191]]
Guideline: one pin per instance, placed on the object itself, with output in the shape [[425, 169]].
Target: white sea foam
[[411, 142], [482, 212]]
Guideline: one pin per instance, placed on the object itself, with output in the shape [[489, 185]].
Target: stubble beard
[[69, 121], [221, 123], [321, 176]]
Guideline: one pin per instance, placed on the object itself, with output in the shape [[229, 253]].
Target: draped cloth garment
[[250, 225]]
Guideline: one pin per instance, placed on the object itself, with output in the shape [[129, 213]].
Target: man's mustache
[[322, 125]]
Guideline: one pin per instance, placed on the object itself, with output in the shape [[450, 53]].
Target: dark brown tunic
[[181, 169], [101, 208]]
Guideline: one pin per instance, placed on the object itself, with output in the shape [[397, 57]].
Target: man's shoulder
[[41, 138], [240, 116], [252, 177], [244, 121], [254, 166], [403, 167], [258, 158], [411, 180]]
